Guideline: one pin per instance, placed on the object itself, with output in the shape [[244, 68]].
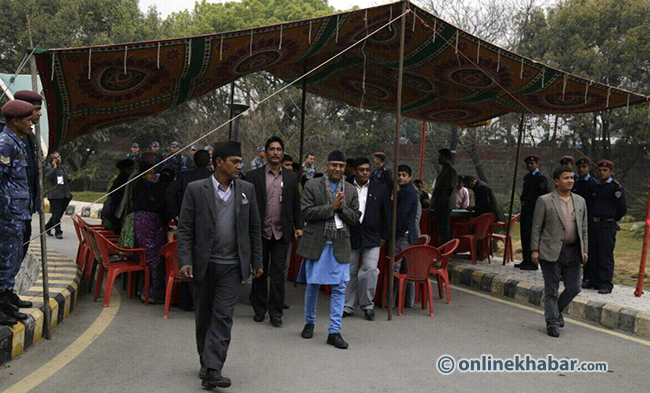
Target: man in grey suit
[[559, 243], [329, 208], [219, 243]]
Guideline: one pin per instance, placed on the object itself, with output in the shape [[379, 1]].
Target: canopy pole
[[644, 254], [232, 108], [302, 143], [422, 148], [41, 208], [514, 184], [393, 234]]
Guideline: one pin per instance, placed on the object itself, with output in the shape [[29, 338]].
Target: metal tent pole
[[41, 209], [514, 184], [232, 102], [422, 149], [391, 264]]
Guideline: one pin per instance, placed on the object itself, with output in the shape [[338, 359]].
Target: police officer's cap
[[567, 159], [174, 144], [582, 161], [155, 144], [17, 109], [260, 148], [532, 157], [193, 147], [606, 164], [208, 148], [135, 145], [29, 96]]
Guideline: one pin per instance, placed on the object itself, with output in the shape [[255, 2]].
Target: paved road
[[140, 352]]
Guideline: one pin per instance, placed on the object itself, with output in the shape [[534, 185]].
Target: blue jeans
[[336, 305]]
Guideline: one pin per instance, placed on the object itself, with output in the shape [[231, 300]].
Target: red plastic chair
[[114, 269], [419, 260], [94, 255], [170, 252], [423, 240], [93, 226], [447, 251], [508, 255], [82, 249], [481, 227]]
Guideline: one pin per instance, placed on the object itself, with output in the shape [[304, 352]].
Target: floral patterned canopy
[[450, 76]]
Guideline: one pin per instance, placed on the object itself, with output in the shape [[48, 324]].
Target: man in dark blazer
[[366, 238], [559, 243], [329, 208], [219, 243], [278, 195], [175, 192], [484, 199], [443, 197], [58, 183]]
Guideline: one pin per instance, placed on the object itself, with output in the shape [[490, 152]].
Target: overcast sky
[[165, 7]]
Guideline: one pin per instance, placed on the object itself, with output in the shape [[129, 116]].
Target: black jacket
[[376, 219], [486, 201], [175, 192], [52, 176], [291, 213], [534, 187]]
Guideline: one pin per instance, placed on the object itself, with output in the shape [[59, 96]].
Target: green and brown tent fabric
[[450, 76]]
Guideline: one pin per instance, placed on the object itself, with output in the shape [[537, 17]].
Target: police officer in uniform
[[382, 173], [585, 186], [535, 185], [158, 155], [608, 207], [135, 155], [32, 161], [191, 164], [14, 205], [177, 162]]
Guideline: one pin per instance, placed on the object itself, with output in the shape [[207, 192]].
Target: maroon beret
[[17, 109], [379, 154], [29, 96], [567, 158], [606, 163], [582, 161], [532, 157]]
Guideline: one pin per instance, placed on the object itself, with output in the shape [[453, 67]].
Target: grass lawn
[[627, 254], [88, 196]]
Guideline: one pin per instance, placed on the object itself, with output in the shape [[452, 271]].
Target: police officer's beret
[[532, 157], [193, 147], [174, 144], [582, 161], [29, 96], [155, 144], [567, 159], [606, 164], [379, 154], [135, 145], [17, 109], [260, 148]]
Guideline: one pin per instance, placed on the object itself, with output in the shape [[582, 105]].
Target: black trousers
[[526, 229], [57, 208], [444, 231], [27, 234], [214, 305], [601, 256], [568, 268], [270, 298]]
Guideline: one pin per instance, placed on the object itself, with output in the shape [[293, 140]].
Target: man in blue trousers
[[329, 208]]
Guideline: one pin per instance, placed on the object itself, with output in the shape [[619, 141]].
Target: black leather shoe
[[59, 235], [15, 300], [285, 306], [214, 379], [259, 318], [49, 233], [587, 285], [13, 312], [308, 331], [604, 291], [369, 314], [553, 331], [517, 265], [202, 372], [560, 320], [6, 320], [336, 340], [533, 267], [347, 314], [275, 321]]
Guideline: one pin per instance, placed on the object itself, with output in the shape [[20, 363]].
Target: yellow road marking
[[72, 351], [569, 320]]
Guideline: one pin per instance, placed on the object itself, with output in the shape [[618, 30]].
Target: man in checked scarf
[[329, 208]]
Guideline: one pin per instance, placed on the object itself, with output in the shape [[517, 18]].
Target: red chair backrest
[[423, 240], [170, 252], [447, 251], [78, 229], [419, 259], [514, 219], [481, 225], [103, 246]]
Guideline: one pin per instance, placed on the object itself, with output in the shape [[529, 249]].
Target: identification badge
[[59, 180]]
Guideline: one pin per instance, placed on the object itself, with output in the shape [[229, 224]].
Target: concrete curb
[[609, 315], [64, 279], [86, 209]]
